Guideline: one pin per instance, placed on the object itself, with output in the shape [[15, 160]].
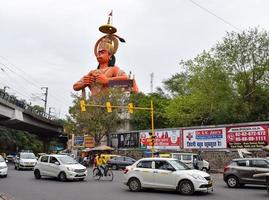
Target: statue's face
[[103, 56]]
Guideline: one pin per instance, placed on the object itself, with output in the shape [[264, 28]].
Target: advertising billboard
[[78, 141], [247, 136], [210, 138], [89, 141], [165, 139]]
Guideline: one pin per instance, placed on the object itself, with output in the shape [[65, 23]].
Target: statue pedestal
[[126, 86]]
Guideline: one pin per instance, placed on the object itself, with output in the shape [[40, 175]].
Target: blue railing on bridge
[[23, 104]]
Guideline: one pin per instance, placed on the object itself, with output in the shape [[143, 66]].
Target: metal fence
[[24, 105]]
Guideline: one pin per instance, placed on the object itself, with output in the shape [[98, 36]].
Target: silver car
[[240, 172]]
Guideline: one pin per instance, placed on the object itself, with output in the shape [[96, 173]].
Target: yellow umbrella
[[101, 148]]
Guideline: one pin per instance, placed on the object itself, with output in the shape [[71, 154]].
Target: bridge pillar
[[46, 142]]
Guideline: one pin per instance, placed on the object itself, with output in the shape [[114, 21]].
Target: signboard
[[78, 140], [247, 136], [128, 140], [211, 138], [89, 141], [166, 139]]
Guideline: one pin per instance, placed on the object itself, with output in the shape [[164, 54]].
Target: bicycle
[[97, 174]]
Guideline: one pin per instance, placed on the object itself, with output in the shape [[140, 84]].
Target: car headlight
[[70, 169], [197, 176], [3, 167]]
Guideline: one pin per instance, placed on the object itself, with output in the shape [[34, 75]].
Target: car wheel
[[232, 182], [114, 167], [186, 187], [37, 174], [204, 169], [134, 185], [62, 176]]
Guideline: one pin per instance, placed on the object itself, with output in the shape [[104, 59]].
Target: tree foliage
[[11, 140], [227, 84], [96, 121], [245, 56], [141, 119]]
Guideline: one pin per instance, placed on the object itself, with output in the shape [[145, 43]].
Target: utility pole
[[151, 82], [46, 97], [51, 112], [6, 87]]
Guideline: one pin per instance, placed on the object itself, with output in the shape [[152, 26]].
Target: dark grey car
[[240, 172], [120, 162]]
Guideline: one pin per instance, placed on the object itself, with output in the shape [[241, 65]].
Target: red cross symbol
[[189, 136]]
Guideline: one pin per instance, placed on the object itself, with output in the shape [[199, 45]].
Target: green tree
[[206, 95], [227, 84], [141, 119], [246, 57], [96, 121], [11, 139]]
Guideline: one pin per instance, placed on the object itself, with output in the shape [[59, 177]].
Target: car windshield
[[67, 160], [28, 156], [2, 159], [179, 165]]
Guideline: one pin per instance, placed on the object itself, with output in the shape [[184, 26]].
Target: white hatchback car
[[25, 160], [166, 173], [62, 167], [3, 167]]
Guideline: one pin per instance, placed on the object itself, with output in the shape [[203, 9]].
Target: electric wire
[[17, 92], [218, 17], [12, 79], [29, 80]]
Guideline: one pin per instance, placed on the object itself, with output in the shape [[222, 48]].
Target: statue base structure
[[126, 86], [125, 126]]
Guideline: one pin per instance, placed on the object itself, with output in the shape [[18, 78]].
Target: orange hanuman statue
[[97, 80]]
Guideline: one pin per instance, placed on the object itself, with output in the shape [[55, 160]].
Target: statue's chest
[[108, 72]]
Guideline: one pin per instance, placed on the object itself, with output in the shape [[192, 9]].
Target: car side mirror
[[170, 168], [57, 163]]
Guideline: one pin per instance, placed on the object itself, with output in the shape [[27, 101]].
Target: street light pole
[[46, 97], [6, 87]]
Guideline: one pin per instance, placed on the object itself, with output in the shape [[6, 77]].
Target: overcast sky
[[49, 43]]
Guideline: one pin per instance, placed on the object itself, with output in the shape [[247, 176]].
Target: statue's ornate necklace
[[103, 71]]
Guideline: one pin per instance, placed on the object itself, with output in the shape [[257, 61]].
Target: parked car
[[240, 172], [120, 162], [193, 160], [3, 167], [10, 158], [107, 157], [166, 173], [25, 160], [62, 167]]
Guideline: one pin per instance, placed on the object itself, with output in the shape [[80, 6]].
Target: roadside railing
[[24, 105]]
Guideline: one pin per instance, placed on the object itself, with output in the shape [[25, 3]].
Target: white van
[[192, 160]]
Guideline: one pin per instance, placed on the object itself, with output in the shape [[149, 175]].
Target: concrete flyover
[[16, 117]]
